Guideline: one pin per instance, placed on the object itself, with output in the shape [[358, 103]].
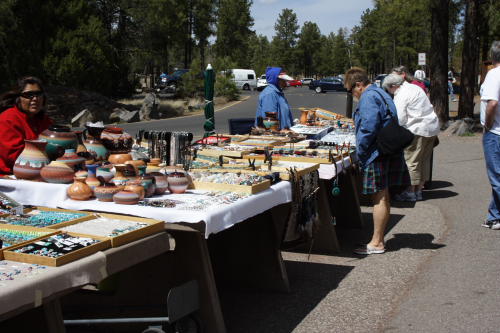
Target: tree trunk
[[470, 59], [438, 58]]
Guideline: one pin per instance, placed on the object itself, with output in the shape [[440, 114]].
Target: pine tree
[[285, 41], [308, 47]]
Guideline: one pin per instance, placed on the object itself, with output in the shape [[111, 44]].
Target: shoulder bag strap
[[387, 108]]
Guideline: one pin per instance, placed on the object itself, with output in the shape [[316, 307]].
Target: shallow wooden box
[[155, 226], [104, 244], [49, 232], [249, 189], [88, 216]]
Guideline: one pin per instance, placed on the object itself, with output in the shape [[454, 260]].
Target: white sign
[[421, 58]]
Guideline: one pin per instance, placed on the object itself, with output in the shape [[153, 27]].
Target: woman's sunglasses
[[31, 94]]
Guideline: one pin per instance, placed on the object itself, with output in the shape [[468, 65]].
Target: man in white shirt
[[490, 119], [419, 74], [415, 113]]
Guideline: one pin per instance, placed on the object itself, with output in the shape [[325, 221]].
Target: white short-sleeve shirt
[[490, 90]]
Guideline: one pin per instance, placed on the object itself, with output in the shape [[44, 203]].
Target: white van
[[244, 78]]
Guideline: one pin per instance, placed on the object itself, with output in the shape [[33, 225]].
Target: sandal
[[366, 249]]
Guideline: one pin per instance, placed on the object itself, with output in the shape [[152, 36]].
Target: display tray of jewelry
[[10, 271], [283, 168], [230, 182], [119, 229], [259, 142], [42, 217], [9, 205], [57, 250], [12, 235], [308, 130], [228, 150]]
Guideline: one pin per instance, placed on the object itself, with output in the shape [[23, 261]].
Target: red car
[[295, 83]]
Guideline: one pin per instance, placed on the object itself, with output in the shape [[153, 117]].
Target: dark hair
[[402, 69], [11, 97], [354, 75]]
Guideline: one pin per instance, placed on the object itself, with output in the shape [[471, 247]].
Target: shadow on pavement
[[253, 311], [437, 184], [412, 241], [438, 194]]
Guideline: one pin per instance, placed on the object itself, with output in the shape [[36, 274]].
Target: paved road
[[297, 97]]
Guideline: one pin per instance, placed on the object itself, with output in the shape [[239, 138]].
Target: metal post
[[348, 106]]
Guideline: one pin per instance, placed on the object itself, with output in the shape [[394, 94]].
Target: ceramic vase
[[147, 180], [136, 187], [271, 124], [161, 182], [119, 178], [136, 164], [93, 143], [106, 191], [126, 198], [105, 173], [72, 159], [303, 116], [153, 167], [82, 173], [177, 182], [91, 179], [32, 159], [116, 140], [59, 139], [80, 147], [79, 190], [119, 158], [58, 173]]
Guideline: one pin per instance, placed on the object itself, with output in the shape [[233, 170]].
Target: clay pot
[[177, 182], [271, 124], [153, 167], [126, 198], [79, 190], [311, 117], [81, 147], [136, 187], [105, 192], [161, 182], [303, 116], [82, 173], [94, 144], [58, 173], [119, 178], [32, 159], [105, 173], [72, 159], [136, 164], [119, 158], [116, 140], [59, 139], [91, 179]]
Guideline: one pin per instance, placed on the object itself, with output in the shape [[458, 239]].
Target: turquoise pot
[[59, 138]]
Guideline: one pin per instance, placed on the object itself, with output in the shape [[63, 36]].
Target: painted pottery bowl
[[105, 192], [126, 198], [58, 173], [136, 164], [105, 173], [271, 123], [59, 139], [116, 140], [119, 158], [82, 173], [177, 182], [72, 159], [161, 182], [31, 160]]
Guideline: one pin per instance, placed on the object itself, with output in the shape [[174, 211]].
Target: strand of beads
[[42, 218]]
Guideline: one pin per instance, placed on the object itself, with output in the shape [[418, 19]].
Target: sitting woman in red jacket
[[22, 118]]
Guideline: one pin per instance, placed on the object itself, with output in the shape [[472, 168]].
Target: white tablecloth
[[328, 171], [216, 218]]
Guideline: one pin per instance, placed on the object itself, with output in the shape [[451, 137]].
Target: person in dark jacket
[[22, 118], [272, 98], [379, 171]]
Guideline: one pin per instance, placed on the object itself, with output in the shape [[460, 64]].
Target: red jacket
[[15, 127]]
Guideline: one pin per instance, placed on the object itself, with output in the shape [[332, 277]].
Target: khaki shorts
[[418, 158]]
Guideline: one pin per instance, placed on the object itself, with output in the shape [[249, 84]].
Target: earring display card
[[57, 250]]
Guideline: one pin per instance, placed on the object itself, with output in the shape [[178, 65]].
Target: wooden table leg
[[53, 316]]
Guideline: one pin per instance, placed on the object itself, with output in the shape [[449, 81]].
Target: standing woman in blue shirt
[[272, 98], [379, 171]]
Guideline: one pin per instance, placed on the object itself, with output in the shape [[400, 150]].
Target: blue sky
[[329, 15]]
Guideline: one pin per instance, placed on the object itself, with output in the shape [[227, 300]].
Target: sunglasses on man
[[32, 94]]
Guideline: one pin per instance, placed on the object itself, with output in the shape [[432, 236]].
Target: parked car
[[330, 83], [307, 80], [244, 78], [261, 82], [295, 83], [380, 79]]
